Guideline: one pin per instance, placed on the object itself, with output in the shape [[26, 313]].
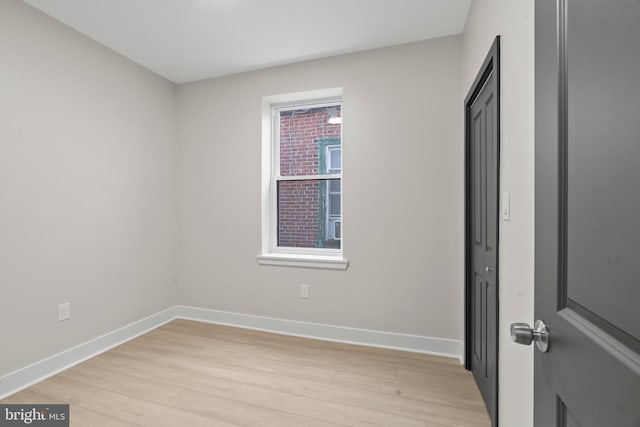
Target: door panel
[[477, 180], [491, 179], [603, 189], [588, 212], [478, 309]]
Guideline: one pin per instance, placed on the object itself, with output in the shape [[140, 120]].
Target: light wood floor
[[196, 374]]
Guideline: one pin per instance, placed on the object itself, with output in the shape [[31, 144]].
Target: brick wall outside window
[[298, 201]]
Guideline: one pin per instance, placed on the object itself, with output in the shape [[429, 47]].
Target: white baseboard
[[31, 374], [414, 343], [36, 372]]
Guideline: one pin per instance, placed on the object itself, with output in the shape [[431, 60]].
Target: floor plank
[[189, 373]]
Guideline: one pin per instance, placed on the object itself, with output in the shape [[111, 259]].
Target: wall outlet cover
[[64, 311], [304, 291]]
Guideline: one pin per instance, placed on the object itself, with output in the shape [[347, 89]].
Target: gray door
[[482, 146], [587, 257]]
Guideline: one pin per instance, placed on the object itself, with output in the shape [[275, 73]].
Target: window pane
[[307, 213], [334, 185], [304, 136], [336, 161], [334, 205]]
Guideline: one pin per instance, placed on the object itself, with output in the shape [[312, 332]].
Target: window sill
[[304, 261]]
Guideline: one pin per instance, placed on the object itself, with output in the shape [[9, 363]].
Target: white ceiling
[[188, 40]]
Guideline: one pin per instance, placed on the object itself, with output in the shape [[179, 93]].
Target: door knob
[[488, 269], [521, 333]]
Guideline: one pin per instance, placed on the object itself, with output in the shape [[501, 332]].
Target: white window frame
[[271, 253]]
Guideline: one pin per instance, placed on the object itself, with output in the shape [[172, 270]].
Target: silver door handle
[[521, 333], [488, 269]]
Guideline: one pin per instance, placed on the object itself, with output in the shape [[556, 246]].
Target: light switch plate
[[506, 206]]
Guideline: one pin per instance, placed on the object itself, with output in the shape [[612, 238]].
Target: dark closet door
[[482, 148]]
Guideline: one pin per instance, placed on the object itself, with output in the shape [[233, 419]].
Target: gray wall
[[86, 187], [403, 193], [514, 21]]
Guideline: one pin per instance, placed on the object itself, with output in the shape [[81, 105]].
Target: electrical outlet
[[304, 291], [64, 311]]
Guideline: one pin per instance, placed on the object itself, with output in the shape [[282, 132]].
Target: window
[[302, 204]]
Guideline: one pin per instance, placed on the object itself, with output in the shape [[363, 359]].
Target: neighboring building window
[[332, 195], [307, 177]]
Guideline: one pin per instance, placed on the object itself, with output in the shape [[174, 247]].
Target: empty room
[[335, 213]]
